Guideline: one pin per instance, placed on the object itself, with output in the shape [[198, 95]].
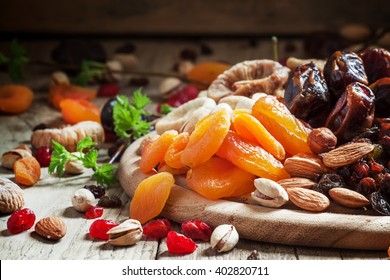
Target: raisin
[[329, 181], [97, 190], [180, 244], [99, 228], [254, 255], [111, 201], [197, 230], [188, 54], [39, 126], [20, 220], [157, 228], [139, 82]]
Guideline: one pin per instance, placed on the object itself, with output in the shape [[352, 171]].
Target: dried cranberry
[[360, 169], [157, 228], [108, 90], [180, 244], [366, 186], [376, 167], [99, 228], [98, 191], [197, 230], [111, 201], [181, 96], [20, 220], [94, 212], [43, 156]]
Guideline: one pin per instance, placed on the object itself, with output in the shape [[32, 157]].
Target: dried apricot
[[248, 127], [154, 153], [251, 158], [61, 91], [174, 171], [218, 177], [205, 73], [150, 196], [173, 154], [206, 139], [15, 98], [27, 171], [79, 110], [283, 125]]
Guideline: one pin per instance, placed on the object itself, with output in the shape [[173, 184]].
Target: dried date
[[376, 63], [306, 92], [381, 90], [111, 201]]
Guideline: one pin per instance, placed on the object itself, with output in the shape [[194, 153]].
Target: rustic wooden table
[[51, 195]]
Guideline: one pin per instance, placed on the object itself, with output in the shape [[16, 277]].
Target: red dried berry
[[197, 230], [43, 156], [99, 228], [157, 228], [108, 90], [94, 212], [20, 220], [180, 244]]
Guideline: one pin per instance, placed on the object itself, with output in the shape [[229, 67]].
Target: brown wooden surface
[[51, 196]]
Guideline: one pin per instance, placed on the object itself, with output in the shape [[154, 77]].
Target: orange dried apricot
[[154, 153], [283, 125], [248, 127], [217, 178], [150, 196], [15, 99], [205, 73], [206, 139], [27, 171], [173, 154], [251, 158], [174, 171], [79, 110], [61, 91]]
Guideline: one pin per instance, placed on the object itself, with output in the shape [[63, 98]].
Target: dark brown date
[[306, 92], [353, 112], [381, 90], [342, 69], [111, 201], [376, 63]]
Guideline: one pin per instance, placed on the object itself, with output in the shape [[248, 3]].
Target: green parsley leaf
[[104, 174], [166, 109], [15, 62], [139, 100], [89, 159], [85, 143], [89, 70], [59, 157]]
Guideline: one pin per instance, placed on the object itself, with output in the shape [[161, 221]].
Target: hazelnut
[[321, 140]]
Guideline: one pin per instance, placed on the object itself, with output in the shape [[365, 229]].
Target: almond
[[305, 165], [52, 228], [308, 199], [348, 198], [346, 154], [296, 182], [11, 196]]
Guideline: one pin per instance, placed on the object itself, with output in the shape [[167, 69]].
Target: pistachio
[[74, 166], [224, 238], [9, 158], [127, 233], [83, 199], [269, 193]]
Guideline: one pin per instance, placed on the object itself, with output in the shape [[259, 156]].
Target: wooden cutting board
[[339, 227]]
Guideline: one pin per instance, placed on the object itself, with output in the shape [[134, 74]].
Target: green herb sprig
[[103, 173], [16, 61], [89, 70], [128, 117]]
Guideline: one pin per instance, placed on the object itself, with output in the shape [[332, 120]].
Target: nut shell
[[52, 228], [11, 196]]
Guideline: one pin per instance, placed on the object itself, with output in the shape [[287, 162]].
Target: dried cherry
[[99, 228], [197, 230], [306, 92], [366, 186], [94, 212], [111, 201], [180, 244], [342, 69], [376, 63], [157, 228], [97, 190], [43, 156], [20, 220]]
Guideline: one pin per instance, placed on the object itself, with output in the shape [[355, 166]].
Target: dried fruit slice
[[155, 151], [27, 171], [206, 73], [79, 110], [278, 120], [217, 178], [61, 91], [15, 98], [173, 154], [179, 244], [150, 196], [248, 127], [206, 139], [251, 158]]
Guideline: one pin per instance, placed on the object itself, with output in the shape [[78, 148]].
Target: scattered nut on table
[[224, 238], [83, 199], [74, 166], [269, 193], [52, 228], [11, 196], [127, 233], [10, 157]]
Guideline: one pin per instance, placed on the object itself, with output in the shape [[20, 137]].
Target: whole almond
[[348, 198], [346, 154], [305, 165], [52, 228], [296, 182], [308, 199]]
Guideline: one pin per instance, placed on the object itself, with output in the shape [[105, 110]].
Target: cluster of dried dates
[[351, 97]]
